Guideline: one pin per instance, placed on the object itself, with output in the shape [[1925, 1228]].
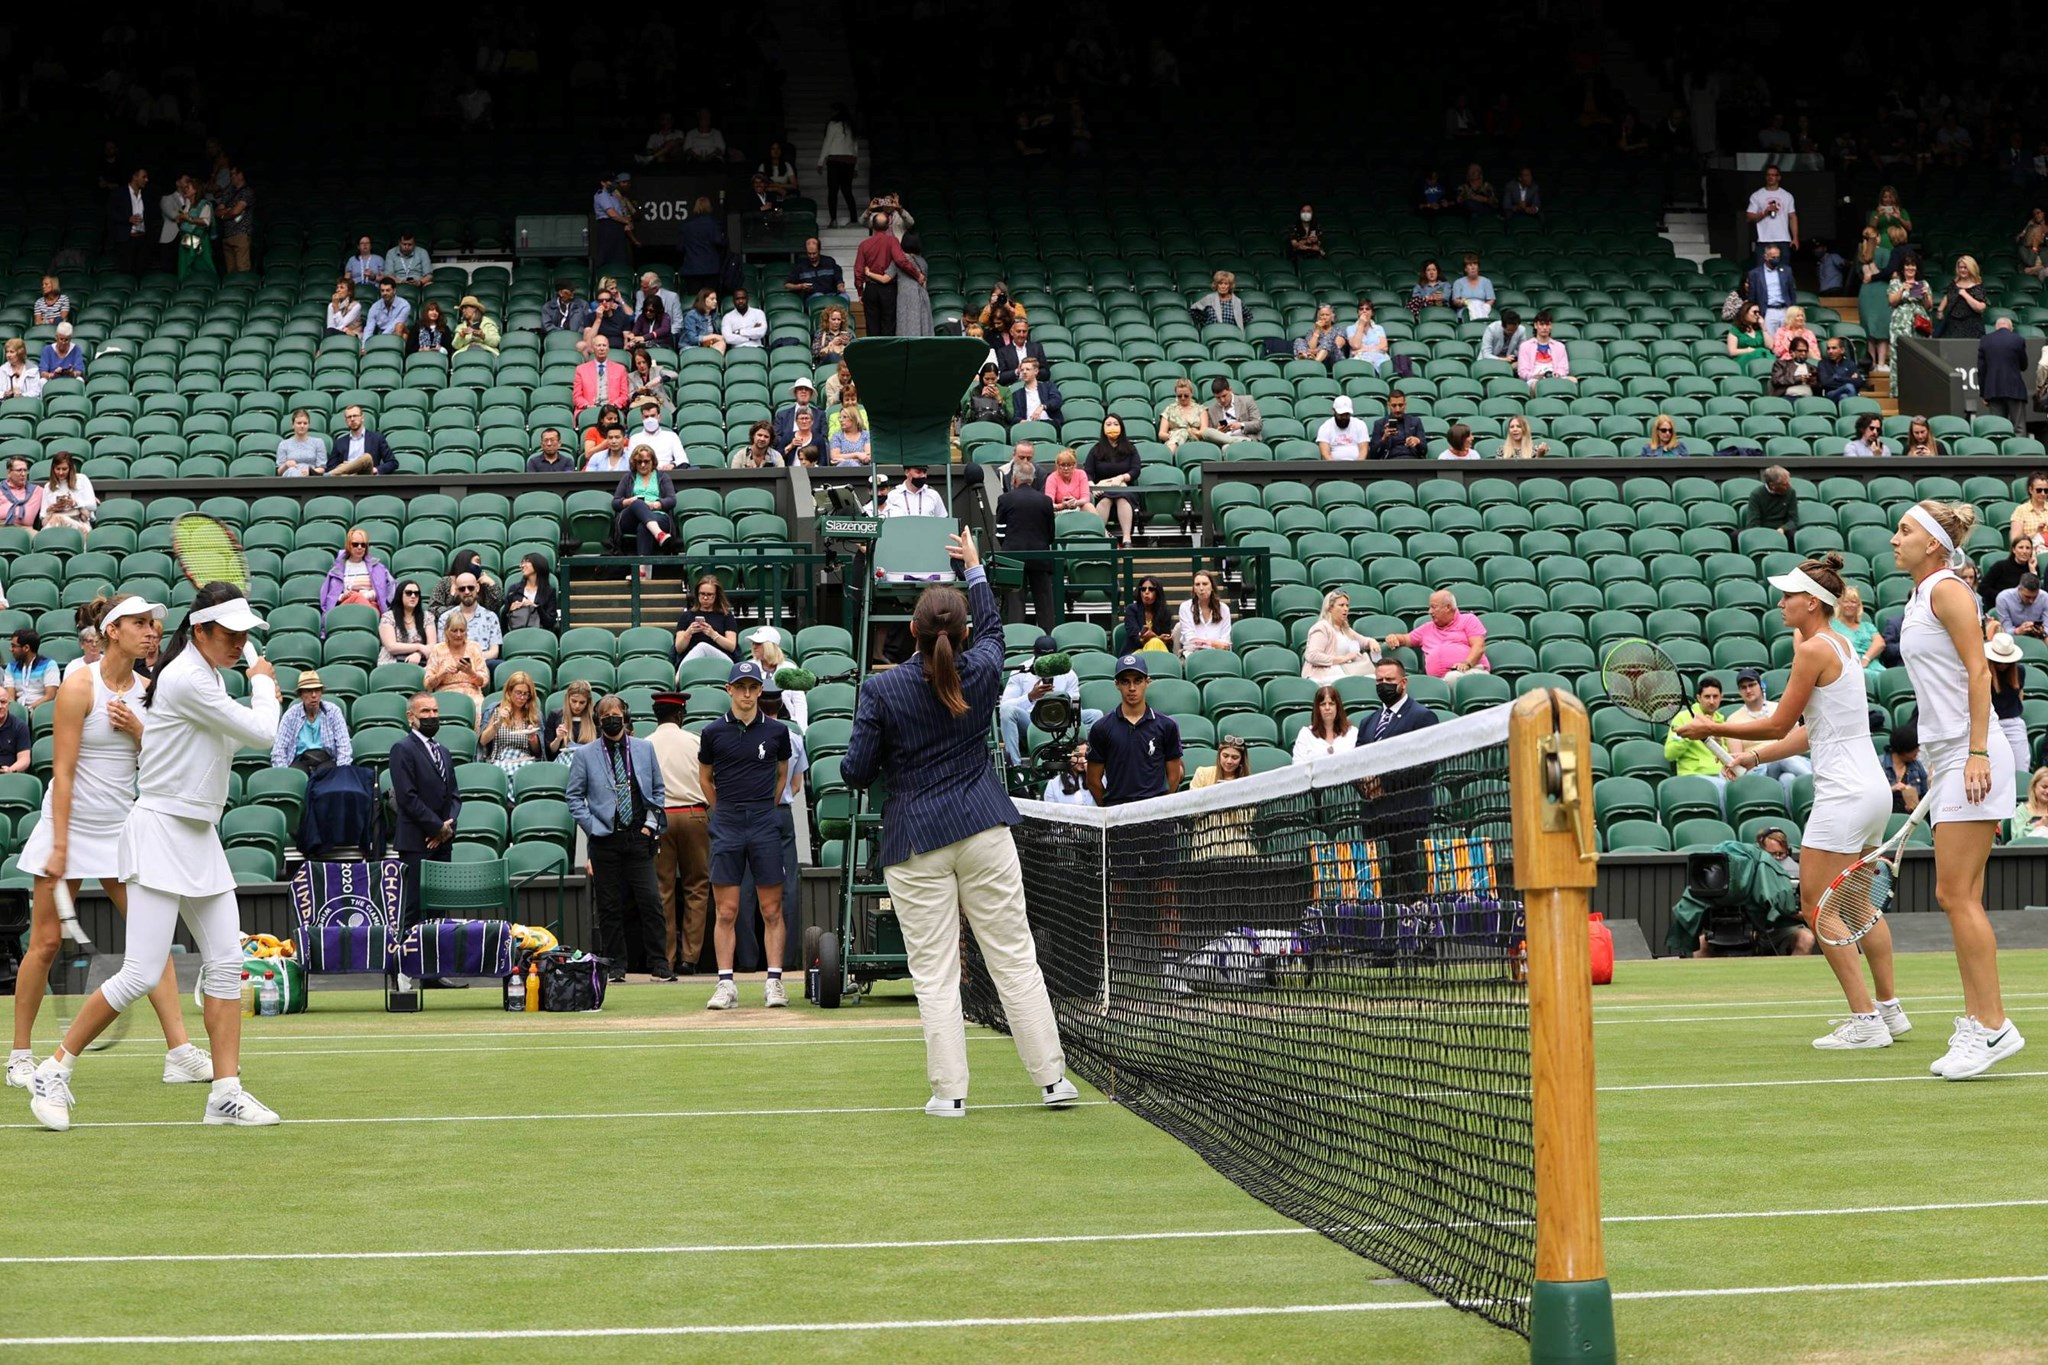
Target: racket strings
[[1641, 679], [1855, 903]]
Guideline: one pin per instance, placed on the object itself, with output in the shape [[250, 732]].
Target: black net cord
[[1320, 995]]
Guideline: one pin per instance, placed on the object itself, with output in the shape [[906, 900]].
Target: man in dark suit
[[1026, 516], [131, 236], [623, 839], [803, 395], [1772, 288], [1398, 805], [2002, 372], [1034, 399], [1014, 348], [356, 449], [423, 791]]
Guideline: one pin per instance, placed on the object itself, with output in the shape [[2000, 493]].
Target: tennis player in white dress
[[97, 737], [170, 853], [1825, 714], [1971, 778]]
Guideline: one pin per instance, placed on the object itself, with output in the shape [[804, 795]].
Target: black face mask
[[428, 726], [613, 726], [1389, 693]]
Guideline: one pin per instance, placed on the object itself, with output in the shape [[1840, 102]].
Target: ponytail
[[211, 595], [940, 624]]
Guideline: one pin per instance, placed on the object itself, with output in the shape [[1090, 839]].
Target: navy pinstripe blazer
[[942, 785]]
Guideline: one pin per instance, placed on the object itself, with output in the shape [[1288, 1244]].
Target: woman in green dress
[[1747, 344], [1912, 301], [1873, 299], [195, 240], [1888, 213]]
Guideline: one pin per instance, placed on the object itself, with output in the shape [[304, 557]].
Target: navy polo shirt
[[15, 737], [743, 758], [1133, 756]]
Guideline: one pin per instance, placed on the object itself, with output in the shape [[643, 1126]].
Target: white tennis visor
[[1798, 581], [134, 606], [234, 614]]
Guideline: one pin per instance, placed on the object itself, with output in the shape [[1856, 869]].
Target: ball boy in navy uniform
[[744, 762]]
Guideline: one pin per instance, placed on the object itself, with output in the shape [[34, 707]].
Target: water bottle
[[515, 993], [267, 1002], [248, 997]]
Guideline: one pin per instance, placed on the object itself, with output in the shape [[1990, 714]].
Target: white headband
[[1799, 581], [134, 606], [1926, 519]]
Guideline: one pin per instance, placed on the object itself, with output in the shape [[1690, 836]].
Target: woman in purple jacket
[[357, 578]]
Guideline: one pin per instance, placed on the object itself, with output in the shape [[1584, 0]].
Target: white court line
[[955, 1324], [407, 1035], [152, 1058], [903, 1109], [730, 1248], [1744, 1018], [1913, 1000], [560, 1118]]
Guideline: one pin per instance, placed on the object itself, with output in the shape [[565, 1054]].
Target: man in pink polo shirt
[[1452, 642]]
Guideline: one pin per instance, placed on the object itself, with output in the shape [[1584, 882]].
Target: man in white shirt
[[743, 326], [1023, 692], [1775, 213], [704, 143], [914, 498], [1341, 436], [1755, 706], [1034, 401], [667, 446]]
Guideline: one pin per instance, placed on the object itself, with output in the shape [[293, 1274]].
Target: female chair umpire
[[946, 843]]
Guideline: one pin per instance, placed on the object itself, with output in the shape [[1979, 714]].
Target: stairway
[[1686, 230], [814, 44], [1880, 384], [607, 603]]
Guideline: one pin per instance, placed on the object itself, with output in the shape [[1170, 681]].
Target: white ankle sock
[[180, 1050], [61, 1063], [20, 1052], [1893, 1002], [227, 1085]]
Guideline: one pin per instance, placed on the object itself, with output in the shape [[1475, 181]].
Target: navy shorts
[[743, 841]]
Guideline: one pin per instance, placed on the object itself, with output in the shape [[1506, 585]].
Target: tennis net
[[1312, 978]]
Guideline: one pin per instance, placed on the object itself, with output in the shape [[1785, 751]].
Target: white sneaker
[[49, 1097], [1060, 1094], [1894, 1018], [775, 997], [20, 1066], [726, 997], [1965, 1026], [1880, 369], [1979, 1050], [239, 1109], [945, 1109], [183, 1066], [1853, 1033]]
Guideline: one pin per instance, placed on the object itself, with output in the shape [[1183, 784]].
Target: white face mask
[[1307, 217], [651, 424]]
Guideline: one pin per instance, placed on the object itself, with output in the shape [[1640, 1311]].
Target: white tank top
[[1838, 713], [1941, 681], [104, 783]]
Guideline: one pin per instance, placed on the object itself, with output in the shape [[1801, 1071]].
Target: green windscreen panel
[[911, 387]]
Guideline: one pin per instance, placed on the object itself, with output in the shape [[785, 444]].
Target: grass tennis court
[[653, 1176]]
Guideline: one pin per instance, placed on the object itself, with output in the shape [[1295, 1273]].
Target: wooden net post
[[1571, 1313]]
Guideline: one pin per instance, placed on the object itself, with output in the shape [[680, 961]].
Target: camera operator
[[1070, 788], [1028, 686]]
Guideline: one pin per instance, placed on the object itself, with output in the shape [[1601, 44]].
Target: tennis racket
[[80, 971], [1852, 904], [209, 552], [1641, 679]]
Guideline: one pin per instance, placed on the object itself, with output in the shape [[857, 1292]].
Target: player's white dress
[[1941, 685], [102, 791], [1851, 799]]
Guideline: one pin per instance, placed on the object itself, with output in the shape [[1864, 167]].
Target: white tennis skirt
[[1945, 760], [94, 846], [173, 854], [1847, 821]]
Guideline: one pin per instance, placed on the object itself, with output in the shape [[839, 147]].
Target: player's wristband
[[1980, 753]]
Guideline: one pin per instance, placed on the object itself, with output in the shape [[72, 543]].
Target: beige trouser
[[981, 875], [361, 464]]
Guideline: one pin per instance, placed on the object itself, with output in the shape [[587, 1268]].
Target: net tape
[[1310, 978]]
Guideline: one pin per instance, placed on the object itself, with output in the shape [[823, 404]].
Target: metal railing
[[778, 579], [1116, 572]]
